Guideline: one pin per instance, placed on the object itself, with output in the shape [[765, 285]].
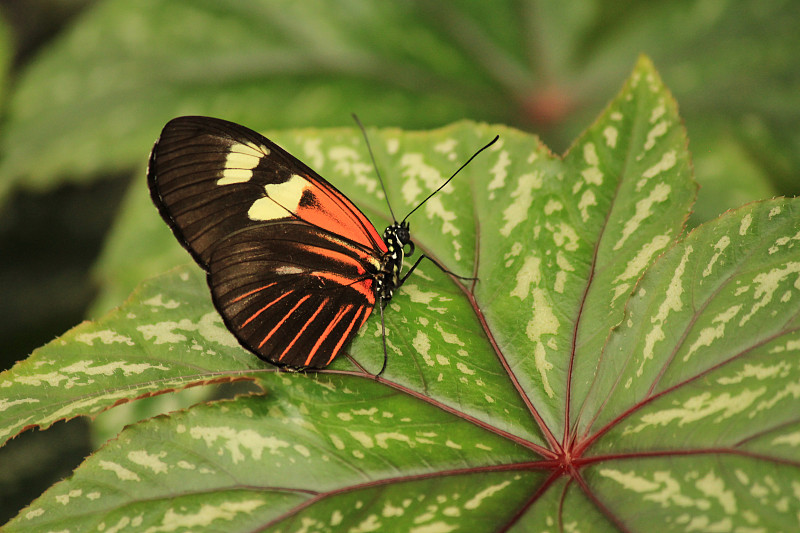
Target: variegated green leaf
[[157, 342], [605, 372]]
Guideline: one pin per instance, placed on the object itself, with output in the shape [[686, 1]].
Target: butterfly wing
[[291, 262], [292, 294]]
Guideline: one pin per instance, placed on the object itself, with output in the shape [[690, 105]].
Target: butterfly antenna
[[374, 164], [453, 176]]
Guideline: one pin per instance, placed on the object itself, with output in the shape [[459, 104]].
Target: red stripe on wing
[[273, 302], [282, 320], [303, 329], [348, 331]]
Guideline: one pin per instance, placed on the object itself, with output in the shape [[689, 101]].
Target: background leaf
[[606, 376], [113, 79]]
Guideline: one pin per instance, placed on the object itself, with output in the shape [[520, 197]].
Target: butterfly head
[[397, 237]]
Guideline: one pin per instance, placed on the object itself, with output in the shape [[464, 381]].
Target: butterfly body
[[294, 267]]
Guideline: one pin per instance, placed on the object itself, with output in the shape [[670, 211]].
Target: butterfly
[[294, 267]]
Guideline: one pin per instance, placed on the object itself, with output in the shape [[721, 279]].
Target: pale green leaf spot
[[464, 369], [203, 518], [108, 369], [610, 133], [64, 499], [791, 439], [593, 176], [337, 442], [122, 473], [392, 145], [449, 338], [775, 211], [564, 236], [563, 263], [791, 345], [382, 439], [660, 193], [655, 132], [158, 301], [53, 379], [720, 247], [212, 329], [657, 112], [714, 488], [35, 513], [522, 196], [390, 510], [515, 250], [587, 200], [552, 206], [629, 480], [162, 332], [760, 372], [476, 501], [422, 345], [639, 262], [363, 439], [435, 208], [561, 275], [371, 412], [701, 406], [312, 151], [620, 289], [500, 173], [105, 336], [745, 224], [302, 450], [663, 488], [781, 242], [446, 147], [766, 285], [420, 177], [544, 322], [5, 403], [789, 390], [150, 461], [590, 154], [235, 441], [435, 527], [419, 296], [371, 523], [347, 163], [672, 302], [708, 335], [529, 274], [741, 290], [667, 161]]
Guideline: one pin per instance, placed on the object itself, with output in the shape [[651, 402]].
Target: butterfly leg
[[432, 260], [383, 336]]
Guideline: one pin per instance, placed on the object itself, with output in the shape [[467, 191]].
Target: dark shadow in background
[[48, 244]]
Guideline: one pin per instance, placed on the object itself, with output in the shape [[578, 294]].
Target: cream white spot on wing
[[282, 199], [242, 159]]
